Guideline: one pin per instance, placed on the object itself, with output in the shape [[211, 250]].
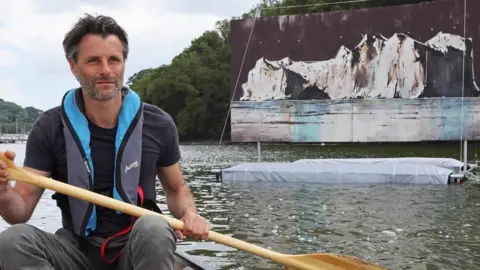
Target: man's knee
[[15, 237], [151, 228], [152, 244], [16, 233]]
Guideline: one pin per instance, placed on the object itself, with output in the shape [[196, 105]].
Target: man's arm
[[179, 198], [181, 204], [18, 202]]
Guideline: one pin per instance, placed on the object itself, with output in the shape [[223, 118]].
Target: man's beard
[[89, 87]]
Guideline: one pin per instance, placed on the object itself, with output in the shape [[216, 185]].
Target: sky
[[33, 69]]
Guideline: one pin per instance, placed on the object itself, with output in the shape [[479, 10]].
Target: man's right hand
[[17, 203], [4, 181]]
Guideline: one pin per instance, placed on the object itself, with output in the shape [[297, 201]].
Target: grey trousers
[[150, 245]]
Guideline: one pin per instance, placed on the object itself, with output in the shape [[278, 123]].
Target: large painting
[[378, 67], [358, 76]]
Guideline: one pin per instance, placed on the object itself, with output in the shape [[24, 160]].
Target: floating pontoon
[[412, 171]]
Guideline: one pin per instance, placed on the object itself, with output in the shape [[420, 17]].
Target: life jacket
[[126, 180]]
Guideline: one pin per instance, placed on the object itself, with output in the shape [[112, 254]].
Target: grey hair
[[89, 24]]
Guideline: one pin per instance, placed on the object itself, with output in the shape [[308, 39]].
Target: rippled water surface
[[400, 227]]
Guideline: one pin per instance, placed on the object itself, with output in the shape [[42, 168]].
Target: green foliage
[[195, 87], [14, 118]]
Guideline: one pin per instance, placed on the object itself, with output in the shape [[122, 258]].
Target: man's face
[[100, 66]]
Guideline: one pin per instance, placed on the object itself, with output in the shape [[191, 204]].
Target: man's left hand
[[195, 226]]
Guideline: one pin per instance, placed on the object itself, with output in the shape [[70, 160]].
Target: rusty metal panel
[[363, 75]]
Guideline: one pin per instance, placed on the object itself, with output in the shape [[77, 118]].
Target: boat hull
[[184, 261]]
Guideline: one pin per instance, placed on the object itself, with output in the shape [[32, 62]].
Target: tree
[[14, 118], [194, 88]]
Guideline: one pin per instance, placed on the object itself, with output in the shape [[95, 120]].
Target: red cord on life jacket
[[122, 232]]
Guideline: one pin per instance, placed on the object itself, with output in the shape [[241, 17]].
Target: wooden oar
[[324, 261]]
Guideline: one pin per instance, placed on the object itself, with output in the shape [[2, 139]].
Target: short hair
[[89, 24]]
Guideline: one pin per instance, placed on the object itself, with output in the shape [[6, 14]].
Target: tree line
[[15, 119]]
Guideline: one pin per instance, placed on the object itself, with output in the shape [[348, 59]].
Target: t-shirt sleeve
[[38, 153], [170, 143]]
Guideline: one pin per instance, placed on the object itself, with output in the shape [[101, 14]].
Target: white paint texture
[[443, 41], [384, 68], [266, 81]]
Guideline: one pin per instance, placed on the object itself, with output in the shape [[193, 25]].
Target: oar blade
[[329, 261]]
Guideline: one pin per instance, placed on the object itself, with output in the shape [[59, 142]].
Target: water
[[400, 227]]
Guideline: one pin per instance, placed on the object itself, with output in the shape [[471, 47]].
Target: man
[[102, 138]]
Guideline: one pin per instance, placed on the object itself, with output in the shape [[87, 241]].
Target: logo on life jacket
[[131, 166]]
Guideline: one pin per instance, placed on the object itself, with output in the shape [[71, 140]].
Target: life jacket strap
[[122, 232]]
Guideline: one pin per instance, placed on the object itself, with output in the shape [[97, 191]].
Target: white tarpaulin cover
[[341, 172], [449, 163]]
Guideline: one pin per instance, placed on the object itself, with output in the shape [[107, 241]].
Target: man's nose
[[105, 67]]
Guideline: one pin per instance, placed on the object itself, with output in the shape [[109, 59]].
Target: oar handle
[[23, 175], [86, 195]]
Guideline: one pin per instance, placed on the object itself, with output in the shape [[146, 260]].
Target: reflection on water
[[400, 227]]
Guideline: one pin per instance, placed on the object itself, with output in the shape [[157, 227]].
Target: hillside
[[15, 116]]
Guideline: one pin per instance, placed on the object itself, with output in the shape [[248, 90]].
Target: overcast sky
[[33, 70]]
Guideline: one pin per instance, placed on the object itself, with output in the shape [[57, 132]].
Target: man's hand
[[17, 203], [195, 226], [4, 179]]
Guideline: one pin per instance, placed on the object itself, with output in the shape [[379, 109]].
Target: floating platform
[[449, 163], [410, 171]]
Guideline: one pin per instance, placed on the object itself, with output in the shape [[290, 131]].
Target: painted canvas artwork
[[378, 67]]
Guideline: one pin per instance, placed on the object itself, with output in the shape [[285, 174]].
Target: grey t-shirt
[[45, 151]]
